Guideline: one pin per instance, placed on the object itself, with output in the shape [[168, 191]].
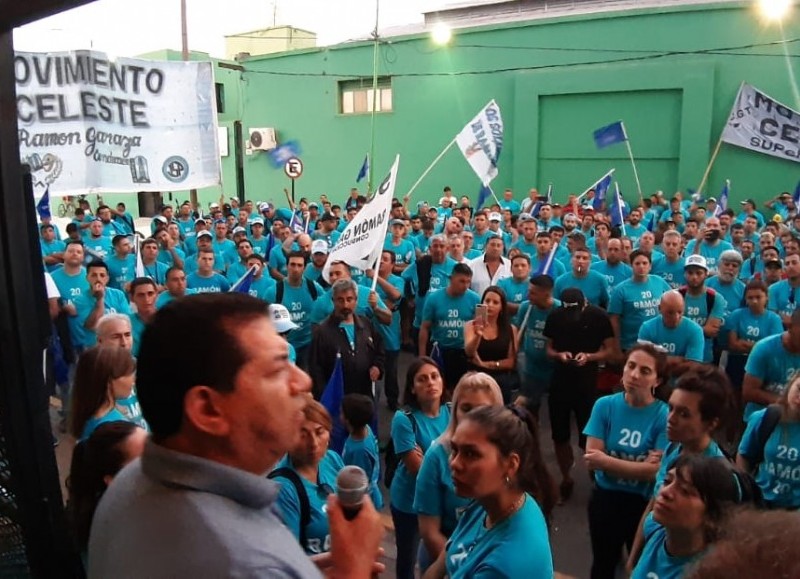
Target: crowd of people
[[670, 337]]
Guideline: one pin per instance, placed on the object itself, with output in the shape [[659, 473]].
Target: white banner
[[762, 124], [89, 124], [361, 242], [481, 141]]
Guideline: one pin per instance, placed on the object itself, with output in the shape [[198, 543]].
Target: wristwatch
[[497, 364]]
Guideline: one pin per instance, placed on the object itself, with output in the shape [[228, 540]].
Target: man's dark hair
[[542, 281], [640, 252], [292, 254], [260, 258], [217, 356], [71, 227], [461, 269], [543, 234], [241, 241], [171, 270], [121, 205], [358, 410], [103, 207], [557, 228], [96, 263], [737, 226], [392, 255], [115, 241], [73, 242], [139, 281]]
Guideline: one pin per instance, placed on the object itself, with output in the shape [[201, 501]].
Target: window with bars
[[357, 96]]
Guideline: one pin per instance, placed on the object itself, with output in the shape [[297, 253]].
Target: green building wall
[[671, 75]]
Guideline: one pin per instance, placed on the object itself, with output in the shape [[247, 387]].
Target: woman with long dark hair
[[104, 375], [95, 463], [423, 418], [496, 460], [490, 341]]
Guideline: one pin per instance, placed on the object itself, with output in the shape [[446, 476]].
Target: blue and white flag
[[364, 170], [137, 248], [481, 142], [436, 355], [43, 206], [617, 210], [610, 135], [722, 203], [549, 193], [296, 224], [796, 196], [483, 195], [547, 265], [242, 285], [331, 399], [282, 153], [600, 190]]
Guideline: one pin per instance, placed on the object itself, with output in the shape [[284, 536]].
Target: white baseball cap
[[281, 319], [495, 217], [695, 260], [319, 246]]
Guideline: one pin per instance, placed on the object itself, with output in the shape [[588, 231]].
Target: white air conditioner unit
[[262, 139]]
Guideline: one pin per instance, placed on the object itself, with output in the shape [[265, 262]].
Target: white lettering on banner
[[760, 123], [89, 124]]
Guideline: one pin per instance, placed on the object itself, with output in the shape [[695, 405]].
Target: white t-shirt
[[51, 287]]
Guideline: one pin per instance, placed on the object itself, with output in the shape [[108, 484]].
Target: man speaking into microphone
[[197, 503]]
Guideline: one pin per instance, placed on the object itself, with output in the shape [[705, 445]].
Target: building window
[[219, 89], [356, 96]]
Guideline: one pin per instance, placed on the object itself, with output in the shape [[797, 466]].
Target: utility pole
[[185, 57]]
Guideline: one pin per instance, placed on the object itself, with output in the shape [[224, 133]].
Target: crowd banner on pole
[[604, 181], [90, 124], [722, 202], [760, 123], [481, 141], [361, 242]]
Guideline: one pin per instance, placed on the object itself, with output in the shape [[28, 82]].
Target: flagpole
[[374, 98], [428, 170], [633, 163], [710, 164], [582, 195], [493, 195], [308, 222], [375, 271]]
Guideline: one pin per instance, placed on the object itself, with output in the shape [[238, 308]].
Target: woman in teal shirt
[[496, 460], [690, 509], [309, 470], [103, 376], [776, 464], [436, 503], [422, 419], [626, 435]]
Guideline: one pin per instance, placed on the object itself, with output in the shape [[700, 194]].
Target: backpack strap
[[711, 297], [312, 289], [302, 497], [771, 418], [279, 292], [424, 267]]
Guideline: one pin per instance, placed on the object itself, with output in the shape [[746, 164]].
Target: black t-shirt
[[572, 331]]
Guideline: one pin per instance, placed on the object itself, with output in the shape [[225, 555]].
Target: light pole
[[185, 57]]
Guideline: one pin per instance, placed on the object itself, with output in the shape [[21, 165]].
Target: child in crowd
[[361, 446]]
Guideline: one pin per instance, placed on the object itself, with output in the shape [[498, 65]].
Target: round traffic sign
[[293, 168]]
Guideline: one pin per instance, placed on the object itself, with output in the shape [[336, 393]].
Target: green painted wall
[[586, 72]]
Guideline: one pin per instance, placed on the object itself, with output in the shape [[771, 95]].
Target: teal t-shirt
[[100, 246], [156, 271], [783, 298], [55, 246], [773, 365], [593, 285], [436, 495], [615, 274], [671, 272], [628, 433], [685, 341], [260, 287], [516, 291], [778, 475], [711, 253], [391, 332], [671, 454], [72, 287], [516, 547], [447, 315], [405, 253], [121, 271], [749, 326], [636, 302], [405, 438], [91, 425], [529, 249], [213, 284], [696, 309], [364, 453], [317, 531], [131, 410], [115, 302], [655, 562], [557, 268], [137, 329], [440, 277], [537, 365], [299, 302]]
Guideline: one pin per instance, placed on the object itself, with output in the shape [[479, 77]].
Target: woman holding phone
[[490, 341]]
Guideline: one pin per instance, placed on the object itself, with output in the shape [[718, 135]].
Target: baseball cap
[[523, 217], [204, 234], [256, 221], [711, 200], [199, 220], [313, 204], [281, 319], [495, 217], [239, 229], [160, 218], [588, 208], [319, 246], [328, 217], [394, 222], [572, 297], [773, 263], [214, 206], [750, 201], [696, 261]]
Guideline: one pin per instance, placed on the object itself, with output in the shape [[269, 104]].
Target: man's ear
[[206, 410]]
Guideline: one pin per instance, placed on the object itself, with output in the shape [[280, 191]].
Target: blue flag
[[296, 224], [617, 210], [610, 135], [43, 206], [282, 153], [436, 355], [332, 401], [483, 195], [362, 172], [242, 285], [600, 190], [547, 265], [722, 203], [796, 196]]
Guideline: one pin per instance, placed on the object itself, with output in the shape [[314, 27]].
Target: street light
[[774, 9], [441, 33]]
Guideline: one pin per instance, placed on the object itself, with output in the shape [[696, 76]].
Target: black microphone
[[351, 486]]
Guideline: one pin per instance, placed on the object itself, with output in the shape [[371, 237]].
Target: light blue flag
[[364, 169], [483, 195], [600, 190], [722, 203], [331, 399], [43, 206], [242, 285], [610, 135], [546, 266]]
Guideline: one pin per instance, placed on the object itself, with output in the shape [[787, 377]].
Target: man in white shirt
[[491, 267]]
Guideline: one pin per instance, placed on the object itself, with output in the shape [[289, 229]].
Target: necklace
[[508, 512]]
